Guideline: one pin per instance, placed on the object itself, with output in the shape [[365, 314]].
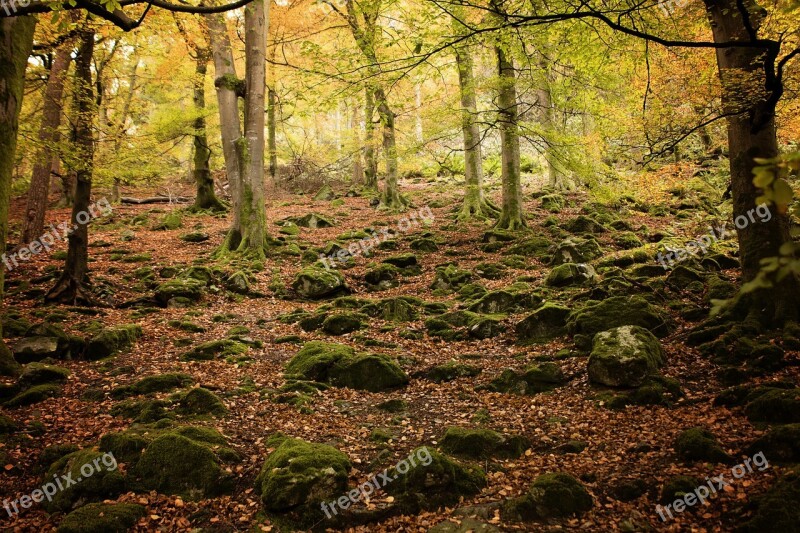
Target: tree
[[49, 136], [74, 286], [476, 205]]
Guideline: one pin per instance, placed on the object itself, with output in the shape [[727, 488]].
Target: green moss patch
[[102, 518]]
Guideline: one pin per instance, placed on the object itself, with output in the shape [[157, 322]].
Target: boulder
[[218, 349], [200, 401], [40, 374], [624, 357], [778, 509], [575, 250], [102, 518], [188, 288], [779, 443], [699, 444], [111, 341], [315, 283], [33, 349], [571, 274], [343, 323], [615, 312], [450, 278], [105, 482], [482, 443], [554, 495], [543, 325]]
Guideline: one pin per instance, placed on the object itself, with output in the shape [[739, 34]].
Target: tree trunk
[[370, 154], [418, 127], [271, 127], [558, 179], [73, 287], [49, 135], [201, 168], [476, 206], [751, 134], [16, 43], [390, 199], [355, 128], [511, 215], [229, 88]]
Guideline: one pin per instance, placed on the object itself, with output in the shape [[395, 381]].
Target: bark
[[201, 168], [390, 198], [476, 206], [122, 124], [49, 135], [73, 287], [271, 129], [16, 42], [370, 154], [558, 179], [511, 215], [751, 134], [358, 162]]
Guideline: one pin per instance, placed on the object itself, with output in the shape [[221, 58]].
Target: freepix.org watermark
[[363, 246], [13, 5], [376, 482], [54, 234], [713, 485], [59, 483]]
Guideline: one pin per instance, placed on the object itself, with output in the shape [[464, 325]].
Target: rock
[[699, 444], [325, 194], [105, 482], [195, 237], [584, 224], [682, 277], [553, 202], [571, 274], [490, 270], [450, 278], [289, 228], [543, 325], [392, 309], [778, 509], [482, 443], [200, 401], [402, 260], [780, 443], [33, 349], [312, 220], [775, 406], [176, 465], [624, 357], [170, 221], [39, 374], [7, 426], [219, 349], [575, 250], [424, 245], [341, 366], [300, 473], [553, 495], [677, 486], [102, 518], [9, 366], [315, 283], [534, 380], [190, 289], [33, 395], [238, 282], [534, 247], [450, 371], [464, 525], [469, 324], [126, 446], [342, 323], [495, 302], [434, 481], [111, 341], [615, 312], [383, 277], [627, 240], [151, 384]]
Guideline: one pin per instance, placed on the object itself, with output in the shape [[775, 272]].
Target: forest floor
[[622, 445]]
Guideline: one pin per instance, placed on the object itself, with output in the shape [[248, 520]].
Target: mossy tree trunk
[[201, 168], [355, 128], [390, 197], [511, 214], [49, 136], [476, 206], [370, 153], [73, 286], [557, 177], [749, 100], [16, 43]]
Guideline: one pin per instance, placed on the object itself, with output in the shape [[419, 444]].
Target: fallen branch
[[156, 200]]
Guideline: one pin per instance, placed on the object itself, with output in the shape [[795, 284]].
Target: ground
[[636, 443]]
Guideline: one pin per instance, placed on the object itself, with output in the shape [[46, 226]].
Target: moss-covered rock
[[627, 240], [126, 446], [543, 325], [382, 277], [188, 288], [314, 283], [677, 486], [312, 221], [400, 309], [615, 312], [535, 379], [402, 260], [450, 371], [535, 246], [440, 482], [450, 278], [174, 464], [171, 221], [699, 444], [459, 325], [779, 443], [102, 518], [778, 509], [495, 302], [776, 406], [31, 349], [7, 426], [9, 366], [39, 374], [111, 341], [200, 401], [553, 495], [571, 274], [341, 366], [575, 250], [162, 383], [624, 357], [424, 245], [33, 395], [552, 202], [104, 482], [342, 323], [482, 443], [300, 473], [218, 349]]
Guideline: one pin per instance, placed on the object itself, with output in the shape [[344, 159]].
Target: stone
[[571, 274], [543, 325], [553, 495], [699, 444], [111, 341], [615, 312], [314, 283], [102, 518], [33, 349], [482, 443], [105, 482], [624, 357]]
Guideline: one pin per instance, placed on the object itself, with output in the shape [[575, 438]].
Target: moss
[[7, 425], [452, 370], [126, 446], [300, 473], [615, 312], [779, 406], [482, 443], [543, 325], [102, 518], [677, 486], [188, 288], [451, 278], [392, 309], [570, 274], [394, 405], [36, 394], [402, 260], [778, 509], [8, 364], [699, 444], [780, 443], [380, 435], [162, 383], [553, 495], [439, 483], [102, 484], [315, 283], [536, 379], [200, 401], [314, 361], [112, 340], [174, 464], [382, 276], [53, 453], [185, 325], [143, 411], [342, 323], [369, 372], [218, 349], [624, 357], [39, 374], [171, 221]]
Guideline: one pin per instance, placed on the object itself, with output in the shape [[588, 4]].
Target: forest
[[443, 266]]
